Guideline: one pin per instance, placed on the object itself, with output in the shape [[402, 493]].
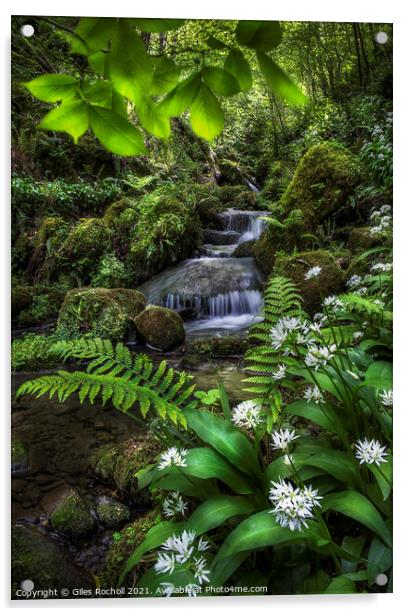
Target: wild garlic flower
[[319, 356], [174, 505], [370, 452], [313, 272], [285, 328], [378, 302], [165, 563], [382, 267], [387, 397], [172, 457], [200, 571], [386, 209], [167, 588], [279, 335], [313, 393], [288, 460], [281, 438], [247, 415], [361, 291], [184, 550], [358, 335], [293, 507], [180, 546], [333, 302], [354, 281], [280, 373]]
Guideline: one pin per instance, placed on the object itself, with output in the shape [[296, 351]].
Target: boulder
[[20, 458], [72, 517], [111, 512], [99, 312], [361, 239], [244, 250], [220, 238], [161, 328], [36, 557]]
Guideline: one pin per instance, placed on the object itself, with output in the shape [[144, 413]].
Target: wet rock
[[72, 517], [213, 236], [244, 250], [111, 513], [36, 557], [161, 328], [20, 458]]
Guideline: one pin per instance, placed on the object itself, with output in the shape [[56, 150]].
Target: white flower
[[386, 209], [280, 372], [281, 438], [203, 545], [200, 571], [174, 505], [279, 335], [382, 267], [284, 327], [247, 414], [293, 506], [358, 335], [361, 291], [165, 563], [192, 590], [319, 356], [369, 452], [354, 281], [333, 302], [181, 546], [172, 456], [387, 397], [313, 272], [288, 460], [313, 393], [167, 588]]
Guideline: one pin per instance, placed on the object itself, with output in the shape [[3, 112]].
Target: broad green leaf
[[207, 118], [279, 82], [201, 489], [158, 25], [129, 65], [379, 375], [182, 96], [115, 132], [224, 401], [180, 578], [226, 439], [165, 77], [236, 64], [336, 463], [52, 88], [325, 382], [94, 34], [384, 476], [97, 62], [379, 560], [323, 415], [353, 545], [70, 117], [340, 585], [216, 511], [98, 93], [257, 531], [152, 119], [359, 508], [259, 35], [206, 463], [220, 81], [119, 104]]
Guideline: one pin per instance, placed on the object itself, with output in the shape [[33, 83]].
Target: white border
[[300, 10]]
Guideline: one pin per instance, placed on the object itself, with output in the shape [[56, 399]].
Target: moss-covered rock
[[265, 248], [361, 239], [244, 250], [36, 557], [161, 328], [324, 178], [226, 346], [208, 209], [123, 546], [34, 304], [88, 238], [119, 464], [328, 282], [111, 512], [20, 457], [72, 517], [114, 210], [104, 313]]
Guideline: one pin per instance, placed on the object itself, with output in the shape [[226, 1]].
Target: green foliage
[[34, 351]]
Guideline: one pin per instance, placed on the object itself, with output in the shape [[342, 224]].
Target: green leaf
[[224, 401], [334, 462], [98, 93], [279, 82], [379, 375], [97, 62], [182, 96], [115, 132], [165, 77], [236, 64], [323, 415], [216, 511], [226, 439], [201, 489], [354, 546], [206, 463], [158, 25], [359, 508], [384, 476], [340, 585], [52, 88], [70, 117], [152, 119], [380, 560], [129, 65], [220, 81], [207, 118], [214, 43], [94, 34], [259, 35]]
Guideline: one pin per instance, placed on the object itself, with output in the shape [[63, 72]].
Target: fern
[[365, 306], [281, 299], [115, 374]]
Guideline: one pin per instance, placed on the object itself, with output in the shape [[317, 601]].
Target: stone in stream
[[111, 512], [161, 328], [20, 458], [72, 517], [244, 250], [36, 557], [214, 236]]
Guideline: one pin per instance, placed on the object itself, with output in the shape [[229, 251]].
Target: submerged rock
[[161, 328], [36, 557], [104, 313], [111, 513], [72, 517]]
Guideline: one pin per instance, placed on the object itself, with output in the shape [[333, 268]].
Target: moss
[[228, 194], [208, 209], [278, 178], [328, 282], [245, 200], [72, 517], [50, 227], [324, 178], [33, 304], [245, 249], [112, 513], [160, 327], [218, 347], [123, 546], [361, 239], [20, 457], [32, 352], [266, 247], [88, 238], [104, 313], [114, 210]]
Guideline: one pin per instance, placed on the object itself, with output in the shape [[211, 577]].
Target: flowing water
[[215, 293]]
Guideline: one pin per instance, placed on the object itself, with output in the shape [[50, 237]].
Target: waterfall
[[233, 303]]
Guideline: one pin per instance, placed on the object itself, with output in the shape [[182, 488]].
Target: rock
[[111, 513], [20, 458], [328, 282], [226, 346], [244, 250], [161, 328], [104, 313], [34, 304], [114, 210], [361, 239], [72, 517], [224, 238], [36, 557]]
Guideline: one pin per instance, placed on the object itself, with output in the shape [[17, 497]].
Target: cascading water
[[215, 292]]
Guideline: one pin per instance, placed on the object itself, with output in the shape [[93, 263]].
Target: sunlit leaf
[[70, 117], [207, 118], [115, 132], [158, 25], [182, 96], [98, 93], [165, 77], [93, 34], [52, 88], [259, 35], [236, 64], [279, 82], [152, 119], [220, 81]]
